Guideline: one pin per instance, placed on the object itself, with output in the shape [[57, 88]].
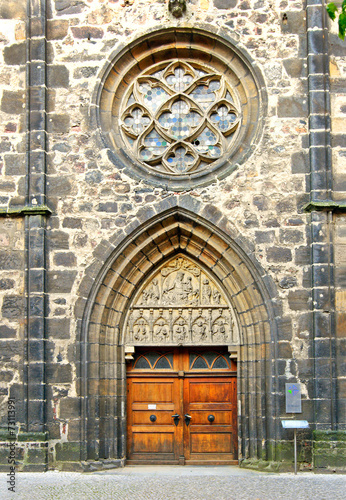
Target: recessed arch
[[177, 231]]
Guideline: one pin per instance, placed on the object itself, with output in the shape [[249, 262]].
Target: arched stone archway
[[177, 231]]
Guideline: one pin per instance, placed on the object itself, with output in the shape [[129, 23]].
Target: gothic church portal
[[172, 231]]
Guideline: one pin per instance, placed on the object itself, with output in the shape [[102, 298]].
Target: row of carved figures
[[181, 291], [211, 325]]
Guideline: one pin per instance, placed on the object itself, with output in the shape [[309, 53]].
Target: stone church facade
[[172, 198]]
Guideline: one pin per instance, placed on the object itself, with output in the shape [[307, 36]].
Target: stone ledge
[[21, 211], [328, 205], [91, 466]]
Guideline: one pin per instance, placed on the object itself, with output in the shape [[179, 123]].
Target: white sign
[[151, 407], [295, 424]]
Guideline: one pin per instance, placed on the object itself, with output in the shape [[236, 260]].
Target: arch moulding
[[177, 241]]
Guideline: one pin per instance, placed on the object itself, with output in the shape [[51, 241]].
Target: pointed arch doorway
[[117, 293]]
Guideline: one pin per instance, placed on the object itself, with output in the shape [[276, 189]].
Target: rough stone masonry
[[81, 229]]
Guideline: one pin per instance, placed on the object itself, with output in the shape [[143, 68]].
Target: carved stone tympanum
[[181, 305]]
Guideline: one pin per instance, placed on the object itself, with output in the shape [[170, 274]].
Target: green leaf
[[331, 10], [342, 25], [343, 6]]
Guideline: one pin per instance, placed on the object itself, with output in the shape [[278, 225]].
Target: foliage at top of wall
[[332, 11]]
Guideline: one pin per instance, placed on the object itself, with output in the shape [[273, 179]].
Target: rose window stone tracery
[[179, 118], [180, 107]]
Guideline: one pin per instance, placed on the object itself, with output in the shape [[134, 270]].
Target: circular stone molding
[[180, 108]]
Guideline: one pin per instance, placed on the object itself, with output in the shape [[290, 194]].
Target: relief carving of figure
[[179, 331], [206, 292], [151, 294], [179, 291], [140, 330], [199, 329], [216, 297], [219, 330], [161, 330]]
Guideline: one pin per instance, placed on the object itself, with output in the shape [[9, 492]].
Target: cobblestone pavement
[[175, 483]]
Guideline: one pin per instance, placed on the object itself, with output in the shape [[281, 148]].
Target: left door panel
[[153, 436]]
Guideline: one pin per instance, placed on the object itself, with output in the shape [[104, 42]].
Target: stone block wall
[[93, 202]]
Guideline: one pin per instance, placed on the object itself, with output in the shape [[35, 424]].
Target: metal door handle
[[176, 418], [187, 418]]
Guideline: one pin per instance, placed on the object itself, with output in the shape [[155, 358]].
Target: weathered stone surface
[[69, 407], [12, 102], [59, 240], [15, 54], [295, 22], [87, 32], [288, 282], [59, 374], [59, 124], [58, 186], [65, 7], [292, 107], [291, 236], [60, 281], [264, 236], [58, 76], [72, 223], [13, 9], [6, 283], [225, 4], [13, 307], [59, 328], [85, 72], [11, 260], [279, 254], [93, 177], [57, 29], [109, 207], [299, 300], [65, 259], [7, 332]]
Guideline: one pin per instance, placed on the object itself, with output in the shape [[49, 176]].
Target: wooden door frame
[[180, 362]]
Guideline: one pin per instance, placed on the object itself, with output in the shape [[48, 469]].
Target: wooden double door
[[182, 408]]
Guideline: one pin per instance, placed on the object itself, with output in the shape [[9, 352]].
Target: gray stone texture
[[86, 248]]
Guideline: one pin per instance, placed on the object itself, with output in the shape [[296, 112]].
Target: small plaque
[[295, 424], [151, 407], [293, 398]]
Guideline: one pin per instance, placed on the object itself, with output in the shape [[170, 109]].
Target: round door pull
[[211, 418], [152, 418]]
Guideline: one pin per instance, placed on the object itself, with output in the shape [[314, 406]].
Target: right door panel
[[211, 433]]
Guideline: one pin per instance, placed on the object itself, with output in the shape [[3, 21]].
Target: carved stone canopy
[[181, 304]]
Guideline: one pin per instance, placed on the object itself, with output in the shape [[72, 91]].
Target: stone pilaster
[[321, 229], [35, 224]]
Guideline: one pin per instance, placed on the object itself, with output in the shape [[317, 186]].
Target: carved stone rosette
[[181, 305]]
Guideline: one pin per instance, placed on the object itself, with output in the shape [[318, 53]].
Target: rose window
[[179, 108], [179, 118]]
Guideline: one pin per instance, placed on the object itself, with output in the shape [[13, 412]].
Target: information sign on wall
[[293, 398]]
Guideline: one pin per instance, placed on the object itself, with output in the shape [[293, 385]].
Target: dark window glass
[[210, 357], [169, 356], [152, 357], [220, 363], [162, 363], [141, 363], [199, 364]]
